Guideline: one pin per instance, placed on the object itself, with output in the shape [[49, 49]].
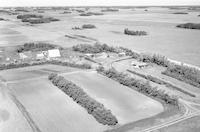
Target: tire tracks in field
[[22, 109]]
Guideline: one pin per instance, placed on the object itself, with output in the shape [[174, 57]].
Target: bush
[[189, 25], [88, 26], [136, 33], [96, 48], [155, 58], [96, 109], [140, 86]]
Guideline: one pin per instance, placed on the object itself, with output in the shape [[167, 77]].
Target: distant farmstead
[[137, 64], [54, 53]]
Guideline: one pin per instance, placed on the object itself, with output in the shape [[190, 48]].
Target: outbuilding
[[137, 64], [53, 53]]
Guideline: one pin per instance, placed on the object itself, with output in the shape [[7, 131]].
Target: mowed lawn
[[51, 109], [126, 104], [33, 72]]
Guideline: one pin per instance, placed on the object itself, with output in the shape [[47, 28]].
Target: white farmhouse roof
[[40, 56], [53, 53]]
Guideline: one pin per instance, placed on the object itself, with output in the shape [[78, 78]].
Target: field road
[[21, 108], [189, 113]]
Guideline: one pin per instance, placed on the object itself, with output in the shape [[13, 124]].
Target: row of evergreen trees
[[96, 48], [40, 46], [56, 62], [143, 87], [96, 109]]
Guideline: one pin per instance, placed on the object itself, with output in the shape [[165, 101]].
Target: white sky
[[96, 2]]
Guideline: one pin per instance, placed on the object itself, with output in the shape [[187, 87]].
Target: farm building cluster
[[40, 55]]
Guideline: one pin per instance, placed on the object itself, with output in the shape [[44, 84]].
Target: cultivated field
[[51, 109], [48, 108], [11, 119], [32, 72], [126, 104]]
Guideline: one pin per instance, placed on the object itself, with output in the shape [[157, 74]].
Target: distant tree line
[[180, 13], [56, 62], [110, 10], [155, 58], [26, 16], [88, 26], [37, 47], [91, 13], [184, 73], [136, 33], [96, 48], [36, 19], [189, 25], [93, 107], [140, 86], [161, 82]]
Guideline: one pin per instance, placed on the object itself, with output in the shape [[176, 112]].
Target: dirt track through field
[[22, 109], [25, 113]]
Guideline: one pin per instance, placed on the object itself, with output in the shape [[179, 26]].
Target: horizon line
[[106, 6]]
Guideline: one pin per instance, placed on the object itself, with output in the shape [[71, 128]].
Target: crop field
[[126, 104], [33, 71], [11, 119], [51, 109]]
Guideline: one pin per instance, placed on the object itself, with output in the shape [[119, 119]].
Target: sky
[[96, 2]]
